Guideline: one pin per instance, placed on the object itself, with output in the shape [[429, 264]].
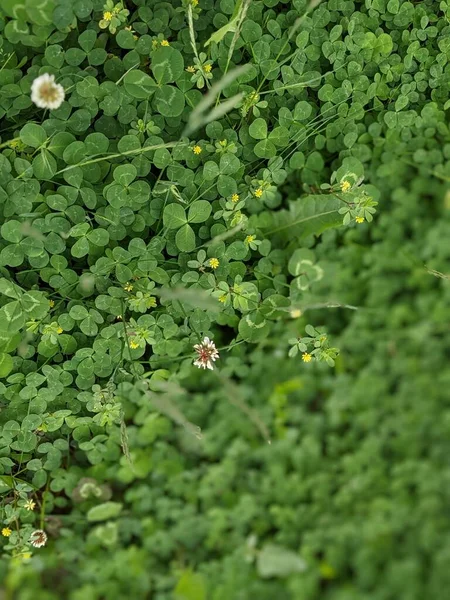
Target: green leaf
[[80, 248], [11, 231], [99, 237], [102, 512], [276, 561], [6, 364], [167, 65], [185, 238], [311, 215], [174, 216], [265, 149], [258, 129], [169, 101], [33, 135], [44, 165], [199, 211], [190, 586], [139, 85], [11, 318]]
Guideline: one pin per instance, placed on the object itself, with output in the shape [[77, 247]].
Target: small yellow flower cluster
[[213, 263], [259, 192], [306, 357], [52, 303], [128, 287], [223, 298], [196, 149], [107, 16], [250, 238], [134, 345], [234, 197], [359, 220], [207, 68], [6, 531], [190, 69], [295, 313], [165, 43], [59, 330], [345, 186]]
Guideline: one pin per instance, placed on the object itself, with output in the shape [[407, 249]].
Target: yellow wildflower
[[345, 186], [207, 68], [52, 303], [213, 263], [327, 571], [259, 192], [190, 69], [196, 149], [306, 357], [6, 531], [165, 43], [359, 219], [59, 330], [128, 287], [119, 317], [134, 345], [250, 238], [223, 298], [234, 197], [296, 313], [194, 2], [107, 16], [29, 505]]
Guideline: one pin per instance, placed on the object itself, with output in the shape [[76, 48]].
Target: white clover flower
[[38, 538], [46, 93], [207, 352]]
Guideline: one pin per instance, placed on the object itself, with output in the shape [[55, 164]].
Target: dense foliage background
[[138, 218]]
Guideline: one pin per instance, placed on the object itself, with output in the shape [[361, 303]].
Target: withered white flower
[[207, 352], [38, 538], [46, 93]]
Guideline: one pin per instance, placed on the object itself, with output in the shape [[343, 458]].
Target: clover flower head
[[250, 238], [223, 298], [206, 352], [234, 197], [207, 68], [107, 15], [359, 220], [259, 192], [134, 345], [190, 69], [165, 43], [52, 303], [295, 313], [306, 357], [38, 538], [214, 263], [196, 149], [6, 531], [59, 330], [128, 287], [46, 93]]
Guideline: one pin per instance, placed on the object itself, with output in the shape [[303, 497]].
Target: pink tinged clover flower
[[206, 352], [38, 538], [46, 93]]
